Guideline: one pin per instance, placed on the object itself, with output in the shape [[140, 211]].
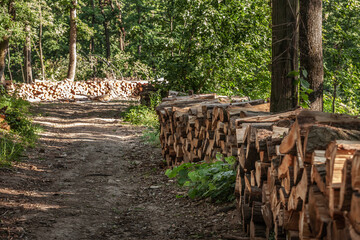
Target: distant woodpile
[[70, 90], [298, 172]]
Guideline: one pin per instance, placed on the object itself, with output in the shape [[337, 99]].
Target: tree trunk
[[3, 50], [139, 22], [9, 66], [106, 29], [311, 54], [27, 56], [284, 54], [92, 41], [40, 46], [122, 32], [72, 45]]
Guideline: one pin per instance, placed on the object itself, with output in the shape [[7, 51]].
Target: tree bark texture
[[284, 54], [139, 22], [40, 45], [72, 40], [122, 32], [106, 29], [9, 69], [27, 56], [3, 50], [311, 53]]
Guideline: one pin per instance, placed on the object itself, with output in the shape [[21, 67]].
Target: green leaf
[[293, 74]]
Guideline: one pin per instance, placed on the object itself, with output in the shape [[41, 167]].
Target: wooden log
[[261, 172], [318, 214], [257, 231], [338, 151], [265, 194], [304, 225], [318, 176], [355, 172], [284, 197], [338, 229], [354, 213], [345, 187], [267, 215], [242, 133], [261, 137], [318, 137], [305, 116], [334, 199], [292, 220], [246, 215], [288, 181], [288, 144], [286, 162], [256, 215]]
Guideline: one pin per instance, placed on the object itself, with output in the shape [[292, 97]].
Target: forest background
[[221, 46]]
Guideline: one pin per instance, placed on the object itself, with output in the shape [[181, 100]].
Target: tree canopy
[[219, 46]]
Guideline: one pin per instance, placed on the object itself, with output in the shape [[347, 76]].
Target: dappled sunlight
[[37, 194], [29, 206], [29, 167]]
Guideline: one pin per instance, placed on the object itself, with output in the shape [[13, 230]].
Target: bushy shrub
[[22, 134], [207, 180]]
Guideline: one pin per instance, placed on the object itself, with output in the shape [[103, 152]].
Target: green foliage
[[303, 87], [341, 29], [141, 115], [10, 149], [152, 136], [23, 131], [203, 45], [207, 180]]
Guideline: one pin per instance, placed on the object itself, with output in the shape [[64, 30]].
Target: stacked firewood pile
[[194, 128], [298, 171], [70, 90], [298, 175]]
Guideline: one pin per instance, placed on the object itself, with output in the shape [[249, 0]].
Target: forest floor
[[91, 176]]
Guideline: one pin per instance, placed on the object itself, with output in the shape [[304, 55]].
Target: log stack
[[70, 90], [197, 127], [298, 174]]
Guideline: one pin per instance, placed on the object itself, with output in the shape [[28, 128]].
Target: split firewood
[[297, 172], [70, 90]]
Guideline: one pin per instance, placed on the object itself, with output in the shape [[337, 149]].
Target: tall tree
[[27, 56], [311, 53], [40, 43], [285, 37], [122, 32], [138, 9], [72, 41], [103, 5], [4, 43], [9, 10]]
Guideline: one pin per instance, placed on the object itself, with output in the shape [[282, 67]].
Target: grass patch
[[144, 116], [207, 180], [141, 115]]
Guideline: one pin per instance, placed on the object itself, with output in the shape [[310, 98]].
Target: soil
[[92, 176]]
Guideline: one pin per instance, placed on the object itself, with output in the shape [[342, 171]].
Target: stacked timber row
[[70, 90], [299, 175], [298, 172], [197, 127]]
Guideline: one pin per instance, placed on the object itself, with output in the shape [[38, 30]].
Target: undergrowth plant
[[23, 132], [141, 115], [207, 180], [146, 116]]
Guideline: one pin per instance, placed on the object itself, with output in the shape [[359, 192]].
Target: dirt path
[[92, 177]]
